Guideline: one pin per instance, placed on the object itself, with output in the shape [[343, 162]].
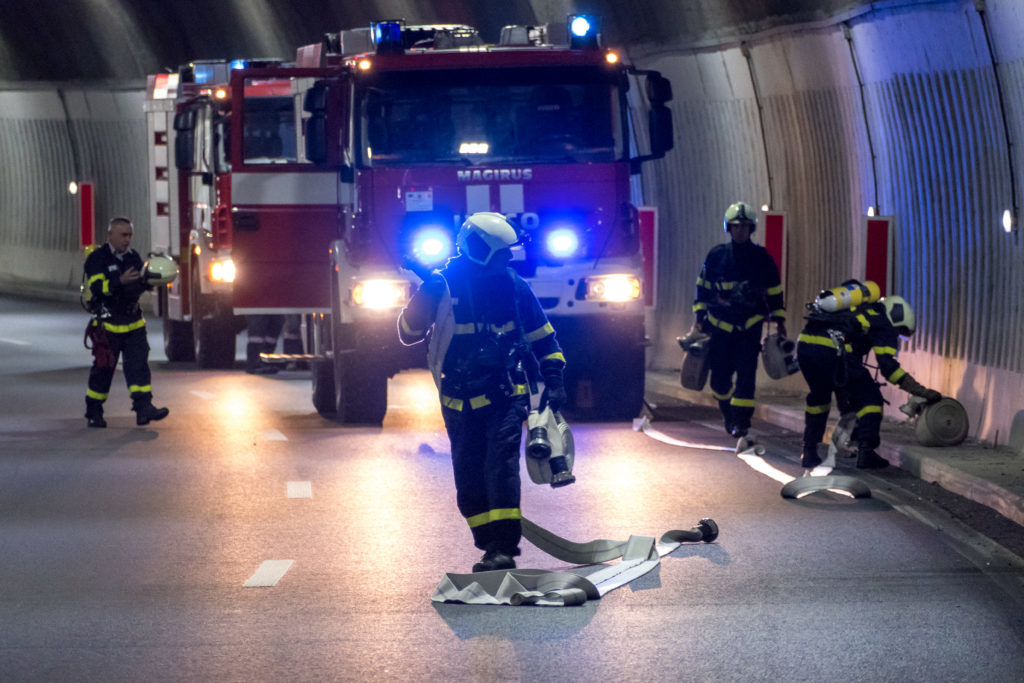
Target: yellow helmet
[[900, 314], [159, 270]]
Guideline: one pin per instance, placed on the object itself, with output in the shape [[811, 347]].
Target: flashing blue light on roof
[[387, 35], [580, 26], [203, 73], [238, 64], [583, 31]]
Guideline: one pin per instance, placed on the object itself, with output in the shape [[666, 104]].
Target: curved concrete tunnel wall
[[893, 105]]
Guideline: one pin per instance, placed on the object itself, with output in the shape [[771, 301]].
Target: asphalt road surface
[[125, 552]]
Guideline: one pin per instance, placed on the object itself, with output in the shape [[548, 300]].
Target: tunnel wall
[[825, 120], [865, 108]]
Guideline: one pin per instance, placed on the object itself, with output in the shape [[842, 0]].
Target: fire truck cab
[[425, 125]]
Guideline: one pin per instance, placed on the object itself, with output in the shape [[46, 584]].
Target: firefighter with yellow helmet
[[487, 330], [840, 332], [737, 291]]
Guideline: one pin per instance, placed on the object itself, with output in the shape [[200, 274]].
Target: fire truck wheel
[[213, 330], [618, 387], [323, 387], [361, 390], [178, 344]]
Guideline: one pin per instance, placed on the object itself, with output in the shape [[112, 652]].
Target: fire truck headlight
[[380, 294], [222, 270], [562, 243], [432, 246], [611, 288]]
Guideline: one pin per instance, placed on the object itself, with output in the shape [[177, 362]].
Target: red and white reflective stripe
[[510, 198], [289, 189]]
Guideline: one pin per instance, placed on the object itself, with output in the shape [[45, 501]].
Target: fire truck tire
[[178, 346], [361, 391], [323, 387], [618, 386], [213, 331]]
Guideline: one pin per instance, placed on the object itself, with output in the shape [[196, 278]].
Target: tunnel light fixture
[[73, 187], [1008, 223], [871, 211], [765, 207]]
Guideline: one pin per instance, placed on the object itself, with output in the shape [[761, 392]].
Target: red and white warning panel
[[879, 250]]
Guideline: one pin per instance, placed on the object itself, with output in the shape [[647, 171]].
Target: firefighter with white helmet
[[487, 330], [831, 351], [738, 289], [115, 278]]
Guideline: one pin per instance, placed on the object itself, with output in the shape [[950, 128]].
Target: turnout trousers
[[734, 354], [133, 349], [485, 457], [856, 391]]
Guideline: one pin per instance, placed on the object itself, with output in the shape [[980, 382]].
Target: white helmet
[[159, 270], [740, 212], [483, 235], [900, 314]]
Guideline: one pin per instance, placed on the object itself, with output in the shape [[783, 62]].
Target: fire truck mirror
[[660, 128], [315, 100], [659, 88], [184, 141], [316, 138]]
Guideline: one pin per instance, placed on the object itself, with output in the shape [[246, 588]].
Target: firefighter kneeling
[[488, 330], [843, 325]]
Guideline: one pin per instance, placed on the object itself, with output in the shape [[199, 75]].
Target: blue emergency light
[[562, 243], [387, 35], [583, 31], [203, 73], [238, 64], [432, 245]]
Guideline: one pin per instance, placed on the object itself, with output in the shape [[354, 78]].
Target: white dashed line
[[16, 342], [201, 394], [269, 573], [274, 435], [300, 489]]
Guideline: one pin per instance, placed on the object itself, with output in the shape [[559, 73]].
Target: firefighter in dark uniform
[[738, 289], [115, 281], [831, 351], [487, 330]]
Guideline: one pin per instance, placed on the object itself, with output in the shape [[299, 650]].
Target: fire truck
[[396, 134]]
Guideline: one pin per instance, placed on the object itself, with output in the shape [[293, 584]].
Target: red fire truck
[[398, 132]]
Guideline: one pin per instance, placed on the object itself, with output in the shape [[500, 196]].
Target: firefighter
[[115, 281], [487, 330], [737, 291], [831, 351]]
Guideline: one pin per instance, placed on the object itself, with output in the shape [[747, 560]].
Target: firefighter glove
[[554, 392], [434, 286], [912, 386]]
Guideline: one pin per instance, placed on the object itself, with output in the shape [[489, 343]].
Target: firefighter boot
[[810, 459], [560, 474], [94, 413], [869, 459], [146, 412], [492, 560]]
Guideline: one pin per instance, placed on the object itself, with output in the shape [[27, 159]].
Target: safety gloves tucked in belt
[[554, 391], [912, 386]]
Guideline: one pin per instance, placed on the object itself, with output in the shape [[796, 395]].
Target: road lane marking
[[269, 573], [274, 435], [300, 489], [201, 394], [16, 342]]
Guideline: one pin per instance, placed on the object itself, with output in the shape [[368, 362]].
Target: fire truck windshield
[[269, 136], [490, 116]]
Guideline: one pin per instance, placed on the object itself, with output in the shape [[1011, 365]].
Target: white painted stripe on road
[[16, 342], [300, 489], [269, 573], [201, 394], [274, 435]]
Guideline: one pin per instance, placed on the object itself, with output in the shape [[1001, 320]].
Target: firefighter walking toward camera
[[114, 281], [738, 290], [487, 330], [831, 351]]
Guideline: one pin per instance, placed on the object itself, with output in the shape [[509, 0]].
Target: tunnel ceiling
[[102, 40]]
